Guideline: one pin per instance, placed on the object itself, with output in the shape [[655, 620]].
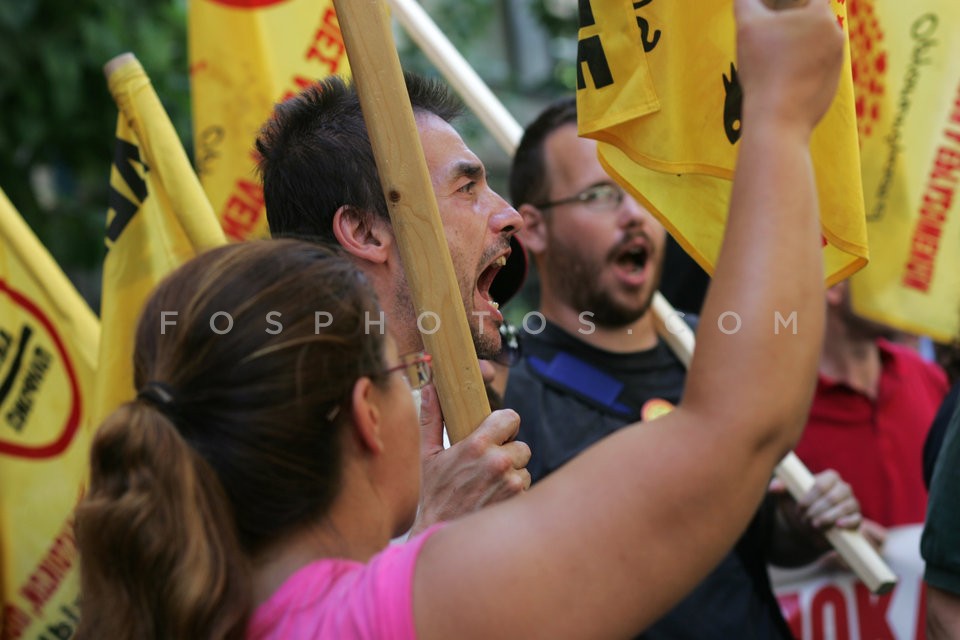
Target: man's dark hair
[[315, 155], [528, 174]]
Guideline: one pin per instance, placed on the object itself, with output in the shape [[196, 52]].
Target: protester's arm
[[943, 614], [609, 542], [798, 537]]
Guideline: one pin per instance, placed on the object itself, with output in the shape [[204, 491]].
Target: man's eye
[[467, 188]]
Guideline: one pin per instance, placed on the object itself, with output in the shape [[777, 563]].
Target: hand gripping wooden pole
[[851, 545], [413, 212]]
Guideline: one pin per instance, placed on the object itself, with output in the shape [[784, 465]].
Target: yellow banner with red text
[[48, 349], [245, 56], [907, 83]]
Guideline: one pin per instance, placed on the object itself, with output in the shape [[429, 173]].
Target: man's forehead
[[568, 155], [447, 155]]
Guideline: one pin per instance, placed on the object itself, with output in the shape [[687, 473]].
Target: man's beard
[[578, 283]]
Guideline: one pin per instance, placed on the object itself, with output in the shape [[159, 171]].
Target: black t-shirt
[[569, 395]]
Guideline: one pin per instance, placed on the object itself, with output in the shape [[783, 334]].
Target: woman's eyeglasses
[[415, 367], [599, 197]]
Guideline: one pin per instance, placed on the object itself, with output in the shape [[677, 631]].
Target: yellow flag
[[48, 348], [906, 59], [658, 88], [245, 56], [158, 219]]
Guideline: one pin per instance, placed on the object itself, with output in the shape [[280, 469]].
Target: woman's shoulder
[[340, 598]]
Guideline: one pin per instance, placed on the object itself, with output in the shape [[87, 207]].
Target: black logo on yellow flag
[[590, 48], [649, 42], [123, 207], [39, 391], [590, 51], [732, 105]]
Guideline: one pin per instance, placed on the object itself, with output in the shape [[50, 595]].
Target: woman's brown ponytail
[[160, 558]]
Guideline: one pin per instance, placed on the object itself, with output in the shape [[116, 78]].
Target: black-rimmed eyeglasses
[[599, 197]]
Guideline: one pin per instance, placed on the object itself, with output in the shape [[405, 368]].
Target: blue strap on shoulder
[[582, 378]]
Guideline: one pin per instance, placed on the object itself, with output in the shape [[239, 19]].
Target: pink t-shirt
[[344, 599]]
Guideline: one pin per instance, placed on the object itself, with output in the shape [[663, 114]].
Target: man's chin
[[488, 346], [616, 316]]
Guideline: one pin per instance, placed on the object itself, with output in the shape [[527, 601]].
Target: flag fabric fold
[[245, 56], [658, 89], [48, 349], [906, 63], [158, 219]]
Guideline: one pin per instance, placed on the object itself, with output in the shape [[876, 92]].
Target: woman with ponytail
[[272, 452], [233, 441]]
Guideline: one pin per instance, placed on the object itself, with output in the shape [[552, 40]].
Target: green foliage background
[[58, 118]]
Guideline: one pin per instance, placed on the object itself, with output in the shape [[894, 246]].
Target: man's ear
[[534, 232], [367, 416], [363, 234]]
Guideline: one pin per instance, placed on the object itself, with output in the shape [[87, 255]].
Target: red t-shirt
[[877, 445]]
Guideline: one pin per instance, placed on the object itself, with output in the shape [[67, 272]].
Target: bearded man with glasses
[[597, 365]]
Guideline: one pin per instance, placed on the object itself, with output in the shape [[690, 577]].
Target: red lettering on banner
[[936, 203], [829, 597], [14, 623], [872, 614], [327, 45], [300, 83], [46, 579], [792, 612], [243, 209], [948, 160], [326, 48]]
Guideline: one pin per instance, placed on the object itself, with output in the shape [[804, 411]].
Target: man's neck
[[851, 359], [639, 335]]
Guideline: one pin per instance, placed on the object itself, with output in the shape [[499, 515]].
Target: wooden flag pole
[[413, 212], [852, 546]]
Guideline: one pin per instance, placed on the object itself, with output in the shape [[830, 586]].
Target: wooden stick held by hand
[[852, 546]]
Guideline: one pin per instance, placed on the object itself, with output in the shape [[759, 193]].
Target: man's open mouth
[[486, 279], [632, 259]]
